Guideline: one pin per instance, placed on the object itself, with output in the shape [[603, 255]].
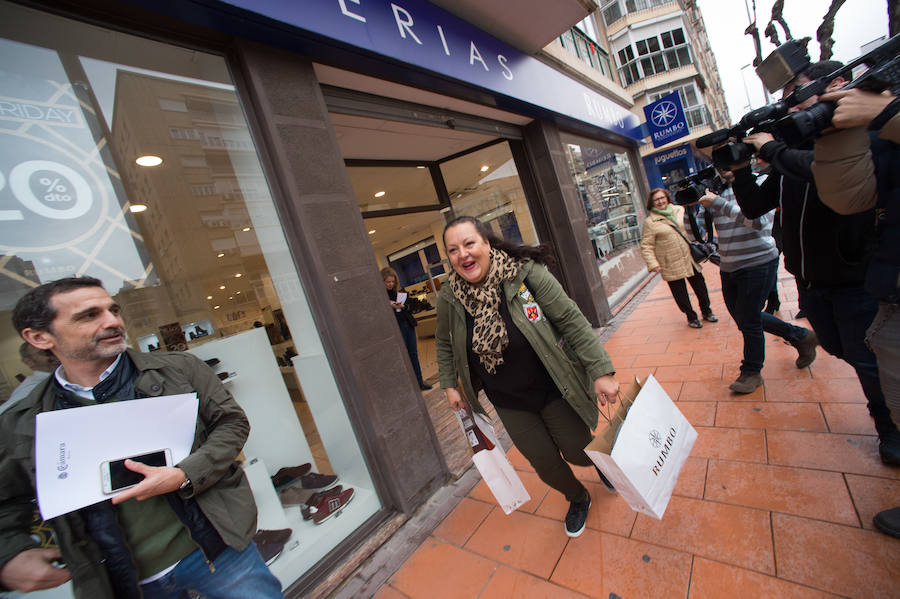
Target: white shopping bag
[[495, 469], [642, 450]]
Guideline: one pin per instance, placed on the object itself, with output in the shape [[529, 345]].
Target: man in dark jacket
[[857, 168], [825, 251], [183, 527]]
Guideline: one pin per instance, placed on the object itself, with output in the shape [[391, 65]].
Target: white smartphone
[[116, 477]]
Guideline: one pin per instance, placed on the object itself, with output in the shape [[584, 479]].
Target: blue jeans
[[238, 575], [745, 292], [840, 317], [412, 348]]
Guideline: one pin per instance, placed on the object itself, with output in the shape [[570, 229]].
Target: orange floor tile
[[776, 500]]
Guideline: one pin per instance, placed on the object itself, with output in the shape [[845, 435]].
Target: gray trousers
[[549, 439]]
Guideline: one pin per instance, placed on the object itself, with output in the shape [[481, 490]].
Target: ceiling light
[[245, 229], [378, 194], [231, 297], [221, 286], [216, 307], [372, 232], [208, 297], [420, 167], [148, 160], [237, 275], [484, 168], [135, 208], [237, 292], [220, 255]]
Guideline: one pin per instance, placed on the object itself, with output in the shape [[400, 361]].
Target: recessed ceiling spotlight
[[231, 297], [208, 297], [216, 307], [135, 208], [484, 168], [379, 194], [420, 166], [221, 286], [220, 255], [245, 229], [148, 160], [237, 275], [372, 232]]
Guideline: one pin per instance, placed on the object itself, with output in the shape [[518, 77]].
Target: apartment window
[[585, 48]]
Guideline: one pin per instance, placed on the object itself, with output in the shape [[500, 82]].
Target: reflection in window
[[605, 181]]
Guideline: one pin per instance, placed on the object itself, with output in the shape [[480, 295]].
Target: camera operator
[[825, 252], [748, 268], [857, 170]]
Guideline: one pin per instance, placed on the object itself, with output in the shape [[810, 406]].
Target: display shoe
[[295, 496], [212, 362], [888, 522], [746, 383], [330, 504], [267, 537], [269, 552], [609, 486], [315, 498], [806, 350], [695, 324], [288, 475], [710, 317], [576, 518], [318, 482]]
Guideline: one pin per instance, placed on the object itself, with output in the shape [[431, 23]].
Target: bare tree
[[826, 29]]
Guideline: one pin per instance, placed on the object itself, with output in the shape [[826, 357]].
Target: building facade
[[236, 173]]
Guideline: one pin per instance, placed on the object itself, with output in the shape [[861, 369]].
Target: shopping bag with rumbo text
[[491, 461], [644, 447]]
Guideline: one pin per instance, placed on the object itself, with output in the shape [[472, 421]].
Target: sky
[[858, 22]]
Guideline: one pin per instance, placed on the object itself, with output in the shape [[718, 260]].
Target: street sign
[[665, 119]]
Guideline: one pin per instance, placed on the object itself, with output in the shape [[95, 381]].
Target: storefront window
[[192, 248], [485, 184], [605, 181]]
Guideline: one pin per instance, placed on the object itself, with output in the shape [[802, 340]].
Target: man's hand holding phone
[[158, 480]]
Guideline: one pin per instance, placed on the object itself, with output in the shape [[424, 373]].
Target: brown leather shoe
[[806, 350], [746, 383], [288, 475]]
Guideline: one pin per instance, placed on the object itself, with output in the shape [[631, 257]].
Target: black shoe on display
[[576, 518], [288, 475], [212, 362], [318, 482], [888, 522]]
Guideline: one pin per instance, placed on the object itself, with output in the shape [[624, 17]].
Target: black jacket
[[821, 247], [883, 275]]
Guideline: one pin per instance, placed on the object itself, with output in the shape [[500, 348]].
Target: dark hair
[[652, 193], [33, 310], [542, 254], [820, 69]]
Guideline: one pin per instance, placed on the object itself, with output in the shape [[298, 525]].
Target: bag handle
[[615, 415]]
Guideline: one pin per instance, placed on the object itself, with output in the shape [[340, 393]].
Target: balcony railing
[[614, 10], [587, 50]]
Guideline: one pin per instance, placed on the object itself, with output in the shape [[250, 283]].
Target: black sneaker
[[710, 317], [888, 522], [695, 324], [577, 517]]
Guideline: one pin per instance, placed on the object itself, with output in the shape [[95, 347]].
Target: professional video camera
[[693, 187], [793, 128]]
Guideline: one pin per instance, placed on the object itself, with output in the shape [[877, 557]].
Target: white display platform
[[276, 437]]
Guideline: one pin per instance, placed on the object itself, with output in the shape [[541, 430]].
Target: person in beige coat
[[665, 249]]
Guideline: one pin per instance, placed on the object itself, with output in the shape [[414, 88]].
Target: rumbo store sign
[[421, 34]]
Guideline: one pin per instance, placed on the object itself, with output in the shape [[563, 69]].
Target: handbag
[[493, 465], [644, 447], [701, 251]]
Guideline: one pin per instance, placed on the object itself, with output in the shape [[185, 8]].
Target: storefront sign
[[666, 157], [665, 119], [594, 157], [421, 34]]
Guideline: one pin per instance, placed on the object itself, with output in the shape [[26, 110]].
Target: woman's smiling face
[[468, 251], [660, 200]]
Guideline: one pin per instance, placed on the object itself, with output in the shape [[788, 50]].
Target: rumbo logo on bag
[[664, 452]]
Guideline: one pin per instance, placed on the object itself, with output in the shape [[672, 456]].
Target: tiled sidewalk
[[776, 499]]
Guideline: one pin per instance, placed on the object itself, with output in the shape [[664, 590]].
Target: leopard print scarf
[[482, 302]]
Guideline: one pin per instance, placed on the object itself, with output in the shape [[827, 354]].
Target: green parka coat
[[558, 332]]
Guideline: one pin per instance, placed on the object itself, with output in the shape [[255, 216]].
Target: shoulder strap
[[677, 230], [695, 228]]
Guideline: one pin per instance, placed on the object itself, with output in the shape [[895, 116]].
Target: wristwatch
[[185, 484]]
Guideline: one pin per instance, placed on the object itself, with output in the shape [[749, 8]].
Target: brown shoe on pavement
[[806, 350], [746, 383]]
